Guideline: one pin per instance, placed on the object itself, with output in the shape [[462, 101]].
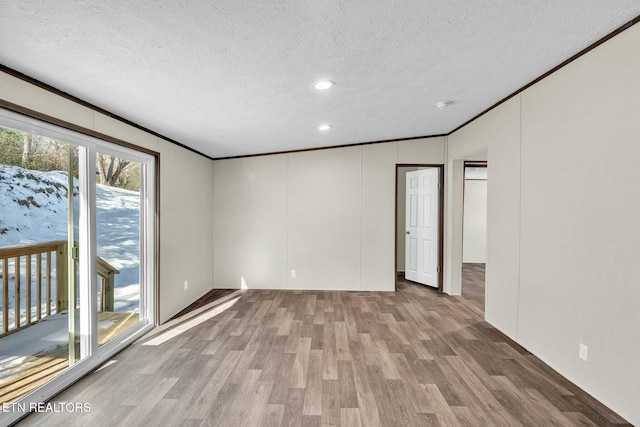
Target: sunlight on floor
[[106, 365], [166, 336]]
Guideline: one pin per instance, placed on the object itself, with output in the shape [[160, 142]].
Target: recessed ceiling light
[[324, 128], [443, 104], [323, 84]]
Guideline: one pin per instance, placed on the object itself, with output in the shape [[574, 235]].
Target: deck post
[[5, 295], [109, 284], [107, 275]]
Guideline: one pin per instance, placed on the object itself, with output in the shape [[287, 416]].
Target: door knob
[[407, 232]]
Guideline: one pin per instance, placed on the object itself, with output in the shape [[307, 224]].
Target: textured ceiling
[[235, 77]]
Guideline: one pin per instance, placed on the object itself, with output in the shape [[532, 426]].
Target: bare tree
[[110, 168], [27, 140]]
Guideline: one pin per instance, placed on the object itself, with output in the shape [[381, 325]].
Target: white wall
[[580, 221], [186, 185], [474, 223], [324, 214], [186, 227], [327, 214], [377, 222], [502, 278], [251, 219], [563, 233]]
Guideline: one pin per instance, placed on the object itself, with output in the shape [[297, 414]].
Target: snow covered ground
[[33, 208]]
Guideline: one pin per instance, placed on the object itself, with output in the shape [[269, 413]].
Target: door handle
[[407, 232]]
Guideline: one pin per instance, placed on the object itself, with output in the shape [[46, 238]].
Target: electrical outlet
[[293, 274], [186, 285], [583, 353]]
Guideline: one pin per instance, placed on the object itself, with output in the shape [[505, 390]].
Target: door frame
[[440, 168], [465, 165]]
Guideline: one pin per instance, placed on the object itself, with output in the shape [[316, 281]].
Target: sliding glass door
[[119, 212], [39, 200], [77, 259]]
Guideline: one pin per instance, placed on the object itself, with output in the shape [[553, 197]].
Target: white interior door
[[422, 220]]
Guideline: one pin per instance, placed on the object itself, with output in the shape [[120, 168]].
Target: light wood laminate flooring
[[473, 279], [296, 358]]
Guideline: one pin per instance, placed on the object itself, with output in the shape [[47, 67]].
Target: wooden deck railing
[[106, 282], [42, 253]]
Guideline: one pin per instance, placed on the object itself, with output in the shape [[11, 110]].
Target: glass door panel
[[38, 285], [118, 232], [77, 255]]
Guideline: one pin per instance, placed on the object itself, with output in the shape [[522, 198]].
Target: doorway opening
[[419, 233], [474, 235]]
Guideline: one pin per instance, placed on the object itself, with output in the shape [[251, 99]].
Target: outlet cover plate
[[583, 353]]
